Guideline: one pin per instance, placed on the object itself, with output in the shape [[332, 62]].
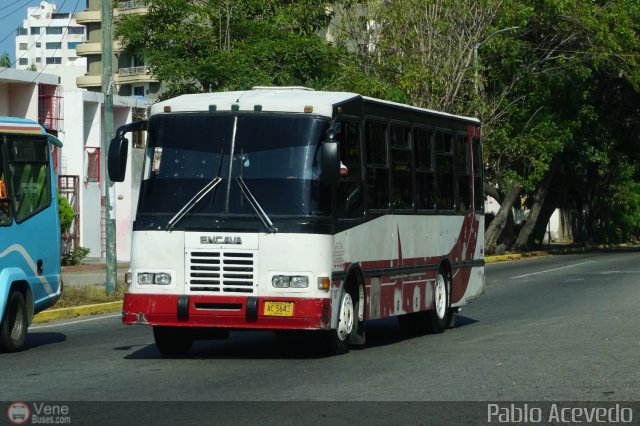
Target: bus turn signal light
[[324, 283]]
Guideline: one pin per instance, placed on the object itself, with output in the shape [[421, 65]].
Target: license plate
[[278, 309]]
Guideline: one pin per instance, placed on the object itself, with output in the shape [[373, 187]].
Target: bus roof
[[25, 126], [20, 125], [276, 99]]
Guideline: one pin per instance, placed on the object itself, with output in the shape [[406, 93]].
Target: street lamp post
[[476, 47]]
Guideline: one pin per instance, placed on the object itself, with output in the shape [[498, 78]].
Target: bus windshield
[[275, 155]]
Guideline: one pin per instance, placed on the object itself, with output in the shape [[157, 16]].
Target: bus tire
[[439, 318], [336, 342], [13, 330], [172, 341]]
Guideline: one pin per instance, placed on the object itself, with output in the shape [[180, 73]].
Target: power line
[[9, 5], [37, 39], [16, 10], [13, 30]]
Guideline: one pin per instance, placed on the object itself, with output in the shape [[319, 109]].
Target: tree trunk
[[552, 201], [493, 191], [496, 226], [522, 242]]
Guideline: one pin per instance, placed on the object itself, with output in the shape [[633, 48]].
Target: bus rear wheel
[[13, 331], [172, 341], [439, 317], [435, 320]]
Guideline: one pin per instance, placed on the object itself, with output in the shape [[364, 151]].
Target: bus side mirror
[[330, 174], [117, 159], [119, 148]]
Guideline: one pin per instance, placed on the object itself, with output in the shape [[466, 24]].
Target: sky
[[13, 12]]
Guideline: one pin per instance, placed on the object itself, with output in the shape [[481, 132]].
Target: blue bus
[[30, 279]]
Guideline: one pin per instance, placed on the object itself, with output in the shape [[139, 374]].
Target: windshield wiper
[[192, 202], [256, 206]]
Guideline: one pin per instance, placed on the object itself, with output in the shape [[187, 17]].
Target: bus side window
[[5, 211], [31, 191], [350, 194]]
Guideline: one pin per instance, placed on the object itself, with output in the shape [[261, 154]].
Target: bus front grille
[[219, 272]]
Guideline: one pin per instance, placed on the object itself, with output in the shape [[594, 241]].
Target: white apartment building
[[48, 39]]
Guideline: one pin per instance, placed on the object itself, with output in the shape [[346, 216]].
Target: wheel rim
[[18, 325], [345, 320], [440, 296]]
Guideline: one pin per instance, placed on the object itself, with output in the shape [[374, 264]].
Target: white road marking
[[554, 269], [75, 322]]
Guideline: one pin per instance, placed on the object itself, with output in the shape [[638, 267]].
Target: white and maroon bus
[[293, 209]]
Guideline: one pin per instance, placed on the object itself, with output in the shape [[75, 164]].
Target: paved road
[[555, 328]]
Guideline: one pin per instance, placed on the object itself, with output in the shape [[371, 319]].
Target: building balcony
[[130, 7], [87, 81], [134, 75], [88, 16], [86, 49], [116, 45]]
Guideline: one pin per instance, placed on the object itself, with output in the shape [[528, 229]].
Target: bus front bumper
[[226, 312]]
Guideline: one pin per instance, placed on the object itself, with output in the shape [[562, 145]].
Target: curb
[[514, 256], [77, 311]]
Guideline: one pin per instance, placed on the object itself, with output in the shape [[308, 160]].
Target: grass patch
[[88, 295]]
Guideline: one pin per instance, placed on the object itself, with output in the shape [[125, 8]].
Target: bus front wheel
[[336, 342], [13, 330], [172, 341]]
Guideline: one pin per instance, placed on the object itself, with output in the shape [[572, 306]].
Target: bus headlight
[[290, 281], [299, 282], [280, 281], [145, 278], [158, 278], [162, 278]]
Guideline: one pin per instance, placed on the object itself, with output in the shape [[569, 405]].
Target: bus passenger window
[[401, 167], [445, 172], [350, 195], [377, 165], [464, 176]]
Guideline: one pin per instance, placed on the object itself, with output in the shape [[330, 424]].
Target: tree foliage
[[5, 60], [556, 83], [205, 45]]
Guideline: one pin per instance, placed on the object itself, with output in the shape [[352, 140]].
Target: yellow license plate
[[278, 309]]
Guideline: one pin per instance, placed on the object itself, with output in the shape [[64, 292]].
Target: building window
[[54, 30], [24, 46], [76, 30], [21, 31], [54, 45], [35, 30], [38, 44], [23, 61], [38, 60], [54, 61], [138, 91], [92, 162], [73, 44]]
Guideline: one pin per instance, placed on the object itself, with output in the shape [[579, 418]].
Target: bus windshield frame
[[275, 154]]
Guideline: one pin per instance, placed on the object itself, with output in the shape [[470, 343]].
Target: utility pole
[[107, 134]]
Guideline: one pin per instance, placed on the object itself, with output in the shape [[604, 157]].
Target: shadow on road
[[37, 339], [282, 345]]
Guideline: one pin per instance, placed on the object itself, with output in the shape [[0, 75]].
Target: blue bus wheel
[[13, 331]]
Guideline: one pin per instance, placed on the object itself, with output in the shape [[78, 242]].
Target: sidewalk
[[93, 271]]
